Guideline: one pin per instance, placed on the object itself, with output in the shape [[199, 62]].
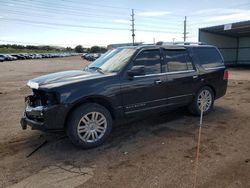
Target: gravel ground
[[157, 151]]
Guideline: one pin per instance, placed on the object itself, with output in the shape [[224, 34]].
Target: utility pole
[[185, 29], [173, 40], [133, 26]]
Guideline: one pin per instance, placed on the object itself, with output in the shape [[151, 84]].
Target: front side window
[[177, 60], [151, 59]]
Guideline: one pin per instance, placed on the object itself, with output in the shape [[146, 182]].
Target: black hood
[[63, 78]]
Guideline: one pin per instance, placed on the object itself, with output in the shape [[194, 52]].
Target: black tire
[[194, 107], [74, 122]]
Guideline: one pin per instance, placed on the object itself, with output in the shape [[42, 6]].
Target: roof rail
[[189, 43], [180, 43]]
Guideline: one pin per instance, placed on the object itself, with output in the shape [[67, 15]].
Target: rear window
[[208, 57], [177, 60]]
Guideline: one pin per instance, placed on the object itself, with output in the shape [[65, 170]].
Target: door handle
[[158, 81], [195, 76]]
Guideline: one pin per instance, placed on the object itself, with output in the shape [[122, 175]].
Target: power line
[[80, 26], [59, 28], [42, 44], [76, 12], [18, 13], [73, 11], [52, 10], [156, 26], [66, 25]]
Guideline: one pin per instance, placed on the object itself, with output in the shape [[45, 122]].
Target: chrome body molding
[[215, 68], [165, 73]]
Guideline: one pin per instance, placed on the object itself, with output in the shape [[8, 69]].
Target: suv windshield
[[112, 61]]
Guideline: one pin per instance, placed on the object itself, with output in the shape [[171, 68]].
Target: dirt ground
[[158, 151]]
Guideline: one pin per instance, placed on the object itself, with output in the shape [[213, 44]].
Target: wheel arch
[[212, 88], [92, 99]]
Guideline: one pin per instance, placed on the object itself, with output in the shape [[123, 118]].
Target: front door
[[145, 92]]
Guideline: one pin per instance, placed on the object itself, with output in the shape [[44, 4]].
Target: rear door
[[182, 77]]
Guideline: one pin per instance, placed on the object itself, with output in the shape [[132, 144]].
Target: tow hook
[[23, 123]]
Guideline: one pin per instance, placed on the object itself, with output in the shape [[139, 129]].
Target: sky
[[102, 22]]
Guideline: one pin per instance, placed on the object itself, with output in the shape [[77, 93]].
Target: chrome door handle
[[195, 77], [158, 81]]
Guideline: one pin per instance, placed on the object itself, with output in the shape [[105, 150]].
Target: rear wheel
[[203, 99], [89, 125]]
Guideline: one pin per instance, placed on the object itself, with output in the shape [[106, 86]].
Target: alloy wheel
[[92, 126]]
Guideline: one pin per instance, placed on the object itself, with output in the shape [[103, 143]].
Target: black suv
[[125, 82]]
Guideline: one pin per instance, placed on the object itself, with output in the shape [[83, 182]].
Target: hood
[[62, 78]]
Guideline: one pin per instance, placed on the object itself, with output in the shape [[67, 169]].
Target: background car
[[2, 58]]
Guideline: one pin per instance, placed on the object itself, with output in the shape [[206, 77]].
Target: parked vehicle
[[10, 57], [7, 57], [18, 56], [91, 56], [2, 58], [125, 82]]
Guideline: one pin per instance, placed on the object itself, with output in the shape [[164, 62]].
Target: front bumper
[[44, 118]]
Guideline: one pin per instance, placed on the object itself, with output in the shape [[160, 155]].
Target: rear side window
[[177, 60], [150, 59], [208, 57]]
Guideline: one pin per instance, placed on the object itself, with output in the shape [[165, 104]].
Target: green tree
[[79, 49], [69, 49], [95, 49]]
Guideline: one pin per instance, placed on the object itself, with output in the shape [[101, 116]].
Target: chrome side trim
[[153, 107], [215, 68], [165, 73], [144, 109], [178, 96], [141, 104]]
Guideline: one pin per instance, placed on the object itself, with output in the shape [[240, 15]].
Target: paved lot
[[156, 151]]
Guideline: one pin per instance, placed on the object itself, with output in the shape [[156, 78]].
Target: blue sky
[[101, 22]]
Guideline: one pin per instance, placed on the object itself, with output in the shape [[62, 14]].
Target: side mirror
[[136, 71]]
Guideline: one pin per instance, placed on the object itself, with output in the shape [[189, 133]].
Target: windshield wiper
[[98, 69]]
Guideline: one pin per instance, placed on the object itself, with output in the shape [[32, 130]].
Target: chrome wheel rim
[[204, 100], [92, 127]]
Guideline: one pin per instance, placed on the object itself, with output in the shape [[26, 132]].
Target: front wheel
[[204, 99], [89, 125]]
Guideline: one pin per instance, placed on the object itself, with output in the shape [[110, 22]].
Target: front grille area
[[33, 101], [40, 98], [37, 103]]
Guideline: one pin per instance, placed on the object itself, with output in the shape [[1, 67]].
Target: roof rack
[[180, 43]]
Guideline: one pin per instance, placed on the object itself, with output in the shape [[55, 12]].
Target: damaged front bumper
[[43, 118]]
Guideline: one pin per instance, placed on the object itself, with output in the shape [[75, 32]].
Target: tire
[[195, 108], [89, 125]]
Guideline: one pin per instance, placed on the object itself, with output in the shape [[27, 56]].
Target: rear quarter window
[[208, 57]]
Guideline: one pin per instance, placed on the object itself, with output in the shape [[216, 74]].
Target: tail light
[[225, 77]]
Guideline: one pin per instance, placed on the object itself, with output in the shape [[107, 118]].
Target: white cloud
[[153, 13], [231, 17], [221, 14]]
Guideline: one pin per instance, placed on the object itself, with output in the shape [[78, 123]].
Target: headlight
[[33, 85]]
